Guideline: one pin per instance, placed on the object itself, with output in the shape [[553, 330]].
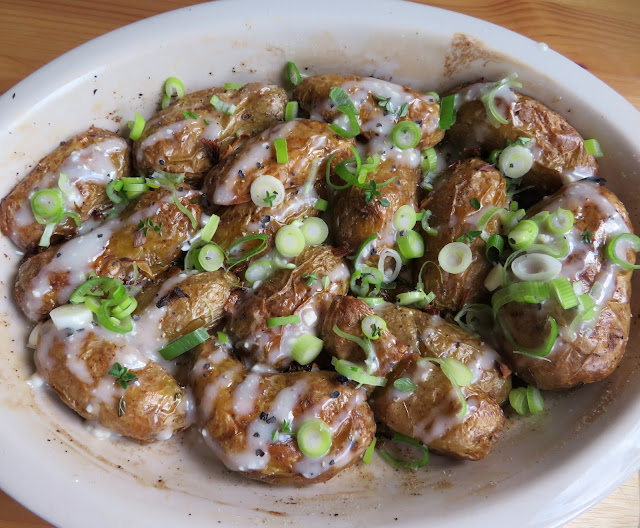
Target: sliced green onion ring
[[406, 135], [474, 314], [447, 111], [291, 111], [233, 86], [353, 124], [173, 86], [618, 247], [221, 106], [314, 438], [364, 277], [455, 257], [425, 223], [560, 221], [429, 160], [406, 464], [293, 74], [529, 292], [372, 301], [365, 344], [137, 127], [321, 205], [523, 235], [373, 326], [282, 153], [488, 98], [410, 244], [210, 228], [290, 241], [392, 273], [315, 230], [518, 400], [355, 373], [184, 344], [536, 267], [47, 206], [534, 400], [541, 351], [256, 236], [364, 251], [210, 257], [515, 161], [267, 191], [564, 293], [112, 189], [281, 321], [404, 218], [368, 454], [306, 348], [592, 146], [259, 271], [494, 247]]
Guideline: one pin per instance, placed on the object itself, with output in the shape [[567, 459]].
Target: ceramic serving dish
[[544, 471]]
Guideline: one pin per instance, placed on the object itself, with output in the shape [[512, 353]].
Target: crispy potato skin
[[431, 336], [258, 107], [561, 147], [188, 301], [347, 313], [313, 95], [115, 252], [283, 294], [237, 221], [229, 431], [429, 413], [596, 351], [354, 219], [454, 216], [77, 368], [309, 145], [94, 201]]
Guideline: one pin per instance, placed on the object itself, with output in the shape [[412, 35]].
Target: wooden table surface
[[602, 36]]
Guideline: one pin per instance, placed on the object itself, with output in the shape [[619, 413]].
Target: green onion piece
[[353, 123], [458, 374], [321, 204], [518, 400], [112, 189], [414, 297], [47, 206], [560, 221], [429, 160], [291, 110], [411, 245], [293, 74], [494, 247], [536, 267], [529, 292], [488, 99], [210, 228], [372, 301], [434, 95], [355, 373], [314, 230], [373, 326], [167, 178], [523, 235], [306, 348], [184, 210], [484, 219], [479, 314], [45, 239], [257, 236], [94, 287], [406, 135], [210, 258], [314, 438], [494, 156], [455, 257], [368, 276], [124, 308], [326, 282], [535, 400], [368, 454], [281, 321], [166, 101], [447, 111], [184, 344], [564, 293], [63, 183], [258, 271], [408, 464], [290, 241], [619, 246], [359, 256], [425, 223], [341, 98], [592, 146], [542, 350], [405, 385], [282, 154], [515, 161], [372, 360], [232, 86], [137, 127], [221, 106], [173, 86], [223, 337], [404, 218]]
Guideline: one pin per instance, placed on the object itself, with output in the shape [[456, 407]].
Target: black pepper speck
[[259, 452], [335, 394]]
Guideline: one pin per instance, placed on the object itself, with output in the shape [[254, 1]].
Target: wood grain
[[602, 36]]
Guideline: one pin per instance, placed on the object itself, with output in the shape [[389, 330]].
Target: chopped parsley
[[371, 192], [475, 203], [469, 236], [310, 277], [586, 237], [405, 385], [145, 225]]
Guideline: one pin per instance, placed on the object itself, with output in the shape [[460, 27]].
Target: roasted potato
[[454, 216], [182, 303], [355, 218], [594, 350], [431, 336], [242, 413], [558, 149], [430, 413], [287, 292], [90, 160], [347, 314], [48, 279], [379, 104], [237, 221], [179, 143], [309, 145], [76, 365]]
